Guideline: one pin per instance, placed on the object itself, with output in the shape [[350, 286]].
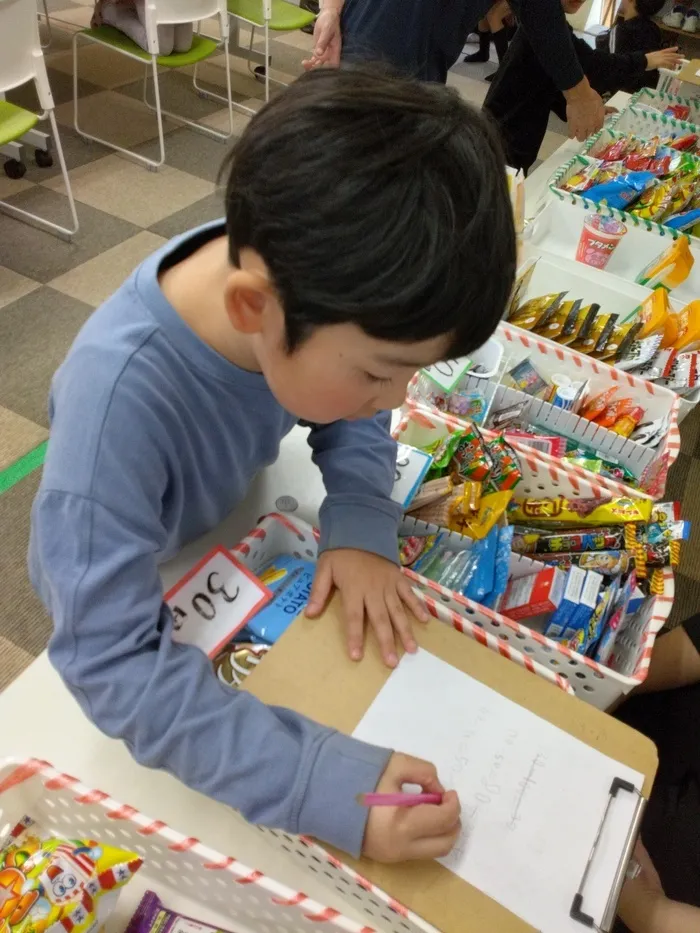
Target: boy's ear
[[246, 296]]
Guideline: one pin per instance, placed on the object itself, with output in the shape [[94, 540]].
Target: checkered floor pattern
[[48, 287]]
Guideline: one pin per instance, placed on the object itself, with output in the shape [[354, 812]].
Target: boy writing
[[522, 95], [368, 232]]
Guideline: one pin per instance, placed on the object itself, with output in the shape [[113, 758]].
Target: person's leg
[[182, 37], [671, 719], [166, 33], [484, 34], [500, 41]]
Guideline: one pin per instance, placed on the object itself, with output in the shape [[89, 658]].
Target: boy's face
[[339, 372]]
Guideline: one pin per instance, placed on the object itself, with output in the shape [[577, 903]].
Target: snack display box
[[573, 166], [644, 116], [556, 230], [595, 683]]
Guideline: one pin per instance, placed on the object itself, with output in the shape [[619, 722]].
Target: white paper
[[532, 795], [447, 373]]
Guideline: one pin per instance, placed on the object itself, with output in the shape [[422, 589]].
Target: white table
[[78, 748]]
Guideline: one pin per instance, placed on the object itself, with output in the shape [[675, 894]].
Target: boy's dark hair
[[649, 8], [379, 201]]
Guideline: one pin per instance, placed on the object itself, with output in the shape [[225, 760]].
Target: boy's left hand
[[372, 589]]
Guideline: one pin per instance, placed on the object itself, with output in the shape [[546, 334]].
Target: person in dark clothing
[[425, 38], [665, 896], [495, 27], [522, 94], [636, 31]]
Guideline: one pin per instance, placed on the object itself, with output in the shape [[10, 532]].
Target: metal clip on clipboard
[[577, 912]]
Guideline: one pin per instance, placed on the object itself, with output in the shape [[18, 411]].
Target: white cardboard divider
[[644, 116]]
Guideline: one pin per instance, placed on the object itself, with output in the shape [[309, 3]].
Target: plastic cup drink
[[599, 238]]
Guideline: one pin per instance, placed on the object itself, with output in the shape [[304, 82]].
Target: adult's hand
[[585, 111], [327, 40]]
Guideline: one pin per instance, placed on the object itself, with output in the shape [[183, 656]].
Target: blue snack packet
[[481, 581], [502, 567], [290, 580], [621, 191]]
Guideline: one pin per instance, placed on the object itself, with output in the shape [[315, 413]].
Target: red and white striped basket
[[279, 534], [597, 684]]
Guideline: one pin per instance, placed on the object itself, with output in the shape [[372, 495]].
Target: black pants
[[671, 826], [520, 99]]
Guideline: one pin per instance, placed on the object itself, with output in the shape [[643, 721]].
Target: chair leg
[[212, 95], [267, 62], [143, 160], [66, 233], [45, 45]]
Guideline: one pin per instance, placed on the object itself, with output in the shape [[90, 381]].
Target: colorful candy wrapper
[[609, 563], [557, 511], [491, 508], [602, 651], [412, 546], [481, 581], [430, 554], [470, 459], [525, 377], [471, 405], [505, 473], [237, 661], [582, 180], [442, 452], [683, 374], [598, 404], [54, 885], [659, 366], [536, 541], [152, 917], [622, 191], [625, 425], [290, 580], [536, 310]]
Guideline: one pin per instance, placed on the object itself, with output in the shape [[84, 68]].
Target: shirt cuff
[[353, 521], [344, 768]]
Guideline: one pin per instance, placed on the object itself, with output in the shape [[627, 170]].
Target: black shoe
[[477, 57], [489, 78]]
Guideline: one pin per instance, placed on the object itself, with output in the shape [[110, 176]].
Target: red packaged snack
[[614, 411], [684, 142], [598, 404]]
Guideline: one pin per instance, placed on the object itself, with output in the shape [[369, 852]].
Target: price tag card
[[447, 373], [411, 467], [214, 601]]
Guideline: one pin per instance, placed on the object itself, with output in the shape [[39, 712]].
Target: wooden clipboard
[[309, 671]]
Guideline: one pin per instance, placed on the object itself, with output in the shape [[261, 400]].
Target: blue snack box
[[290, 580]]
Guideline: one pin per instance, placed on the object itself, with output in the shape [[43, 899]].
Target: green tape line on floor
[[22, 467]]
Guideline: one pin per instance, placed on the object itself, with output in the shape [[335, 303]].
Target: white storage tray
[[556, 229], [592, 682], [644, 116]]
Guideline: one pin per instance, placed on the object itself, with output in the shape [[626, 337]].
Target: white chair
[[275, 15], [21, 61], [160, 13], [49, 31]]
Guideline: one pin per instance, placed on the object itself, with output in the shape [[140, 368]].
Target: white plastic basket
[[279, 534], [573, 166], [556, 230], [592, 682], [647, 119]]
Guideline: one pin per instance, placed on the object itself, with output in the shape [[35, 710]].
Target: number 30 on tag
[[214, 601]]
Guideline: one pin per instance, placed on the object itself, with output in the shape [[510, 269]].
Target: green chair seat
[[202, 47], [285, 16], [14, 122]]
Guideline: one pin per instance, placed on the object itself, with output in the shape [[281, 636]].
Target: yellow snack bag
[[670, 268], [682, 331], [52, 885], [653, 313], [491, 508]]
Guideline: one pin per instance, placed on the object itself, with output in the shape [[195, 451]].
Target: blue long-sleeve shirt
[[155, 438]]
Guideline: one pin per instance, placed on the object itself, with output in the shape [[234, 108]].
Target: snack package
[[431, 491], [501, 569], [626, 424], [670, 268], [614, 411], [521, 285], [609, 563], [237, 661], [621, 339], [597, 405], [659, 366], [560, 620], [682, 331], [622, 191], [54, 885], [596, 340], [481, 581], [430, 554], [534, 595], [683, 374], [412, 546], [471, 405], [615, 623], [684, 220], [639, 353], [525, 377], [505, 473], [567, 314], [536, 310], [536, 541], [491, 508], [560, 512], [470, 459], [653, 313], [152, 917], [290, 580]]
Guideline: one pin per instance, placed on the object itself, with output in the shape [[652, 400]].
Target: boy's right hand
[[399, 834], [666, 58], [327, 40]]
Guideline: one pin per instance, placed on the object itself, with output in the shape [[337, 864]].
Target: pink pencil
[[397, 800]]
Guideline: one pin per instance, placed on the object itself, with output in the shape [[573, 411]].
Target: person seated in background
[[666, 708], [636, 31], [129, 17], [522, 95]]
